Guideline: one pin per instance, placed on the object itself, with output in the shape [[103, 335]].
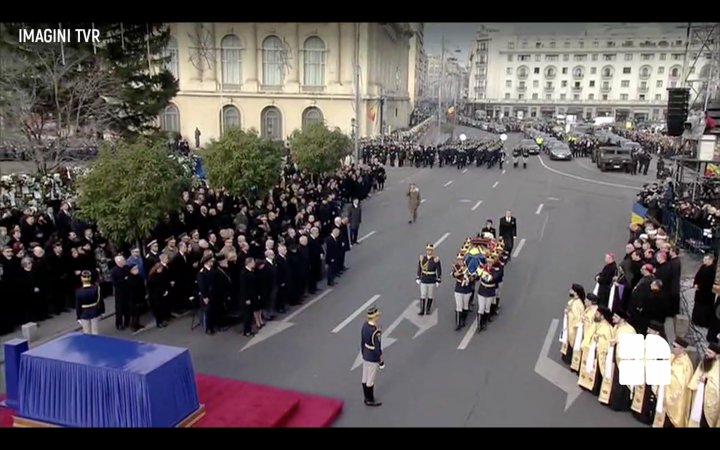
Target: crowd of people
[[231, 258], [637, 294]]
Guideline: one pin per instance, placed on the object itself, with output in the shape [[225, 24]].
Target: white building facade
[[279, 77], [417, 63], [621, 71]]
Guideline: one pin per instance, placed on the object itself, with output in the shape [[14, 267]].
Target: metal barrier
[[686, 234]]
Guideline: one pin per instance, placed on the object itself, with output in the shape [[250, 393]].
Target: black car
[[531, 146], [560, 152]]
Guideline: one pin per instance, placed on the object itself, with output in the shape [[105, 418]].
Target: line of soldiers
[[454, 153], [590, 341]]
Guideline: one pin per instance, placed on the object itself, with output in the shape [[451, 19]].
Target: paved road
[[568, 217]]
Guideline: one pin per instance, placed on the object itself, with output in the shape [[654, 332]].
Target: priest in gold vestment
[[673, 401], [705, 384], [585, 331], [591, 371], [612, 393], [643, 398], [574, 310]]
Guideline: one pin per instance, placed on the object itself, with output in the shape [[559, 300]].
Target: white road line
[[448, 183], [440, 241], [464, 171], [503, 172], [366, 236], [468, 335], [539, 209], [423, 200], [289, 317], [553, 198], [542, 232], [477, 205], [588, 180], [356, 313], [518, 248], [495, 185]]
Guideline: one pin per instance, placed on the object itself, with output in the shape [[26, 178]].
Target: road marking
[[465, 201], [539, 209], [477, 205], [356, 313], [366, 236], [556, 373], [503, 172], [307, 305], [553, 198], [468, 335], [464, 171], [440, 241], [495, 185], [588, 180], [278, 326], [448, 183], [423, 323], [518, 248], [542, 232], [423, 200]]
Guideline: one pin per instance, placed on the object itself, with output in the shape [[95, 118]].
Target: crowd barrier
[[682, 232]]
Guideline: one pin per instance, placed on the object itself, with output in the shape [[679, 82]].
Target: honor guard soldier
[[463, 291], [88, 304], [525, 156], [429, 272], [517, 151], [371, 349], [486, 294], [498, 272]]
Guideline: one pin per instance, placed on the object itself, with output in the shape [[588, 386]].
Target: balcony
[[308, 89], [549, 88], [643, 89], [522, 75], [577, 88], [522, 88], [607, 75], [644, 75], [606, 88], [550, 75]]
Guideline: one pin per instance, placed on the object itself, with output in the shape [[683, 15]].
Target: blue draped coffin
[[89, 381]]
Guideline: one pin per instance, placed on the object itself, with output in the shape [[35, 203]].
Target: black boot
[[370, 401], [366, 394], [422, 307], [497, 305], [491, 316], [463, 318], [458, 321], [483, 321], [428, 307], [480, 322]]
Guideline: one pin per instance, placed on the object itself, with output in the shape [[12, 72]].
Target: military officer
[[429, 273], [88, 304], [372, 355], [463, 291], [486, 293]]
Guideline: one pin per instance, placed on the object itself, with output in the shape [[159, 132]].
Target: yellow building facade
[[279, 77]]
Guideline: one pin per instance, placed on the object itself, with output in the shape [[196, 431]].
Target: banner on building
[[373, 111]]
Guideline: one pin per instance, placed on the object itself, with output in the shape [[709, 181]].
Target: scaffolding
[[704, 87]]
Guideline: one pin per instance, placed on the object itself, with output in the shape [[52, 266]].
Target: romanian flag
[[712, 170], [372, 111], [638, 214]]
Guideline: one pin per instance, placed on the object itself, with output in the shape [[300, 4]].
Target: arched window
[[272, 61], [230, 117], [172, 62], [675, 72], [170, 119], [550, 72], [271, 123], [314, 62], [230, 58], [311, 115], [607, 72], [645, 71], [578, 72]]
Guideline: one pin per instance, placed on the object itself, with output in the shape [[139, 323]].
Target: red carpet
[[237, 404]]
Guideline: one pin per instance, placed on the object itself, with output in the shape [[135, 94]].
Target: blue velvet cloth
[[88, 381]]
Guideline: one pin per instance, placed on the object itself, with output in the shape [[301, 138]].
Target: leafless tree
[[57, 99]]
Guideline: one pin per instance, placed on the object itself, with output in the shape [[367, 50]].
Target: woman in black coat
[[159, 290], [703, 310]]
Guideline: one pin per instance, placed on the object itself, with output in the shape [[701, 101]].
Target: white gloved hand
[[437, 284], [417, 281]]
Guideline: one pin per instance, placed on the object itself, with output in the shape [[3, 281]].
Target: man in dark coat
[[207, 292], [284, 279], [606, 280], [332, 255], [508, 230], [316, 253], [639, 298], [184, 276], [122, 289], [249, 296], [704, 310], [674, 288], [355, 216]]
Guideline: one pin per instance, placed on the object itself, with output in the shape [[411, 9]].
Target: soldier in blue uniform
[[463, 291], [371, 348], [88, 304], [429, 272], [497, 272], [486, 294]]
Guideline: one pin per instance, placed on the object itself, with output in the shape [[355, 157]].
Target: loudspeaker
[[677, 111]]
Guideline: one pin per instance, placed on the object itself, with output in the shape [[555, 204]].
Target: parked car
[[560, 152], [531, 146]]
